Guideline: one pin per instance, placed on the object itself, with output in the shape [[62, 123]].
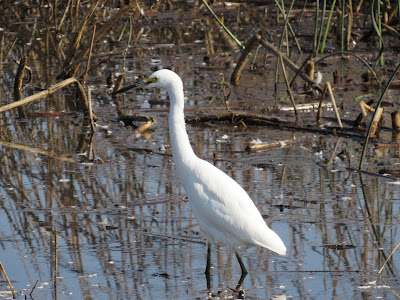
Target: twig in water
[[288, 85], [309, 69], [144, 127], [117, 86], [262, 147], [222, 86], [30, 294], [393, 291], [90, 108], [40, 151], [387, 259], [55, 259], [375, 120], [370, 174], [322, 97], [328, 85], [89, 56], [8, 280], [395, 120], [253, 43], [52, 89]]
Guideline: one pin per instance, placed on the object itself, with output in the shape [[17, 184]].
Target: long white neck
[[182, 151]]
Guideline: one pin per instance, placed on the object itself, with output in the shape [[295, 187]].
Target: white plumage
[[224, 211]]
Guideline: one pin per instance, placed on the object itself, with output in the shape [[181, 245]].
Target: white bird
[[225, 212]]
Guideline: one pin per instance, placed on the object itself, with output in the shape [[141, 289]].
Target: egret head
[[161, 79]]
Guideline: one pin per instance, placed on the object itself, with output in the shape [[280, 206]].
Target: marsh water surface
[[103, 216]]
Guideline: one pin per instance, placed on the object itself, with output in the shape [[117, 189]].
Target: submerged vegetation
[[325, 74]]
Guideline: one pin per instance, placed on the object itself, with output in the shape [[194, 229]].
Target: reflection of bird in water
[[224, 211]]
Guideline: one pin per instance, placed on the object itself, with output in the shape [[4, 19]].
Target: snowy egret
[[225, 212]]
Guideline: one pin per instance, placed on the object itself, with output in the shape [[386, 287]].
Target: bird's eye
[[151, 80]]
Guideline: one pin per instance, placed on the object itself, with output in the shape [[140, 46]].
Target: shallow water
[[108, 212]]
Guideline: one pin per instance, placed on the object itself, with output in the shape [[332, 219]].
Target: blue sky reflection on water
[[145, 239]]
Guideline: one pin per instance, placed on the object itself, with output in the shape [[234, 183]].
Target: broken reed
[[375, 115], [52, 89], [8, 280]]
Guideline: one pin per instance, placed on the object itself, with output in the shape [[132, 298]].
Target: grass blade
[[327, 26], [222, 24]]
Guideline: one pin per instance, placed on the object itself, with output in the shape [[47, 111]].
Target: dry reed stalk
[[18, 85], [67, 7], [252, 43], [209, 38], [392, 31], [72, 67], [117, 86], [386, 146], [58, 50], [8, 280], [7, 50], [55, 259], [392, 290], [328, 85], [111, 23], [289, 63], [89, 56], [358, 8], [30, 294], [38, 151], [387, 259], [90, 108], [52, 89], [74, 46], [330, 162], [375, 121], [396, 120], [365, 108], [340, 25], [222, 87], [280, 144], [296, 113], [19, 77], [392, 14], [1, 49], [91, 151], [309, 69], [349, 25], [322, 97], [311, 106], [144, 127]]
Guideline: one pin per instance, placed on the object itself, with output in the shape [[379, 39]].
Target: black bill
[[132, 86]]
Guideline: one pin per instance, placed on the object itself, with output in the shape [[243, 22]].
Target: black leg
[[242, 266], [208, 266], [244, 271]]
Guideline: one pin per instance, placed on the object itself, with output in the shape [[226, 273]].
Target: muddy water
[[104, 217]]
